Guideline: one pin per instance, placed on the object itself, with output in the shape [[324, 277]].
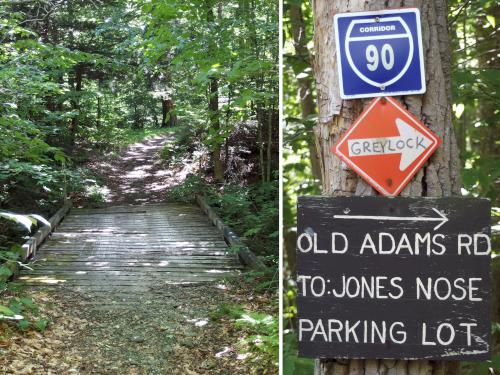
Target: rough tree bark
[[439, 176]]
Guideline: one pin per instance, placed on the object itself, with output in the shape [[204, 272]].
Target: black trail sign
[[401, 278]]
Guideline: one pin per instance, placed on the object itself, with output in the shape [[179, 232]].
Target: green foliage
[[231, 45], [59, 95], [481, 368], [81, 80], [6, 311], [24, 313], [187, 191], [251, 211], [475, 84], [95, 194], [298, 178], [480, 176], [293, 365], [297, 131], [226, 310], [264, 330], [91, 78], [262, 333], [174, 152]]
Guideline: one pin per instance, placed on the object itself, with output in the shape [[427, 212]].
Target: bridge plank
[[124, 248]]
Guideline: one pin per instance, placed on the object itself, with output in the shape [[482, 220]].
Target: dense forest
[[81, 81], [79, 75], [82, 77], [475, 35]]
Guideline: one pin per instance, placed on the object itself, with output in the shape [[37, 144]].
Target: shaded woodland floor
[[170, 329], [138, 175], [169, 332]]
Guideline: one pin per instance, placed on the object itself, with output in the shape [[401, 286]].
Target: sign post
[[386, 146], [396, 278], [379, 53]]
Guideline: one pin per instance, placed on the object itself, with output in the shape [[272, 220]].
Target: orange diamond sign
[[386, 145]]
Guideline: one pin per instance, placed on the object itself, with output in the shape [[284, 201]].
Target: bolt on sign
[[379, 53], [386, 146], [395, 278]]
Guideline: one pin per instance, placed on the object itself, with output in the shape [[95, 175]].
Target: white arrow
[[410, 144], [442, 219]]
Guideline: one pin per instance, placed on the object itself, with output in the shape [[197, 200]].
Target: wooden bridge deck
[[132, 248]]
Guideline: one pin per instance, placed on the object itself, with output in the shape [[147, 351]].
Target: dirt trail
[[170, 329], [138, 175]]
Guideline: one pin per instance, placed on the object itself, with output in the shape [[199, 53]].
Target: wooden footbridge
[[133, 248]]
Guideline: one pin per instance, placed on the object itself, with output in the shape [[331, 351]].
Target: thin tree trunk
[[213, 107], [260, 124], [269, 142], [439, 177], [305, 91], [228, 118], [99, 103], [249, 6], [75, 102], [462, 134]]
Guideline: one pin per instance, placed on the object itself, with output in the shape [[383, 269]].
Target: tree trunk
[[464, 121], [168, 111], [75, 102], [305, 91], [269, 142], [99, 103], [213, 106], [439, 176], [260, 140], [228, 119]]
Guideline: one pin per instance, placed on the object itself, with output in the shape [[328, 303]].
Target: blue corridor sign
[[379, 53]]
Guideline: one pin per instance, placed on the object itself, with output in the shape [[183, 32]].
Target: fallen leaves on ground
[[167, 332]]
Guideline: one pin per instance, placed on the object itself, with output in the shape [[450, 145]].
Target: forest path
[[138, 175], [142, 281]]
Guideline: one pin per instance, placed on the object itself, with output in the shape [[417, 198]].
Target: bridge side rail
[[247, 257], [31, 245]]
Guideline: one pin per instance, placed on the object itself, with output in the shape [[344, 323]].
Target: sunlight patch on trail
[[139, 175]]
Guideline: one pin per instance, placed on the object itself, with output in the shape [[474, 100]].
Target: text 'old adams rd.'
[[400, 278]]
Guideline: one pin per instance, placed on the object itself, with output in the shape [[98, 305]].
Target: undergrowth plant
[[260, 330], [21, 311], [250, 210]]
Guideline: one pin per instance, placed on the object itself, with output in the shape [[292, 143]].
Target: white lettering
[[304, 329], [309, 242], [334, 247], [469, 333]]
